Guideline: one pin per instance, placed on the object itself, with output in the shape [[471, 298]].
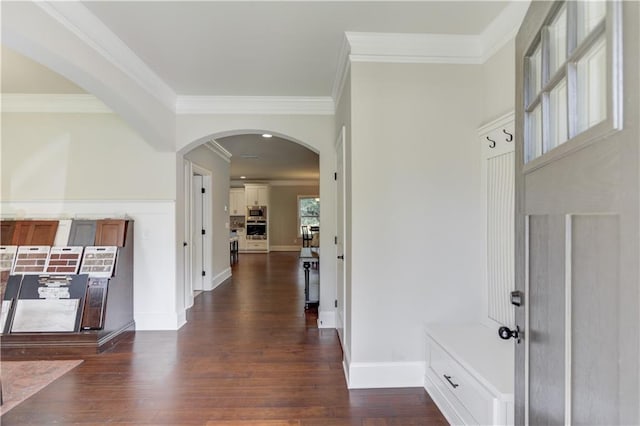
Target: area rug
[[21, 379]]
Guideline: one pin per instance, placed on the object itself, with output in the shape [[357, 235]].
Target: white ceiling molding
[[429, 48], [219, 150], [87, 27], [289, 182], [415, 48], [262, 105], [503, 28], [51, 103], [342, 71]]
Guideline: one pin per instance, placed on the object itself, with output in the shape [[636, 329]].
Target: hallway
[[248, 355]]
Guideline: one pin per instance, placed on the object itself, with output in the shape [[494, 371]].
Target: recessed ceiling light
[[243, 177], [267, 135]]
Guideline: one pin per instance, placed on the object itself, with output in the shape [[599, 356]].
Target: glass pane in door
[[590, 14], [534, 138], [591, 88], [534, 69], [558, 41], [557, 115]]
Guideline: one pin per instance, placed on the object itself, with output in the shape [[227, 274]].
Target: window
[[308, 211], [571, 83]]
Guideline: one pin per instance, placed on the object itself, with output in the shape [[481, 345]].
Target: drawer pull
[[455, 385]]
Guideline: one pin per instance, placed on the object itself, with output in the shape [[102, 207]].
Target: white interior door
[[197, 228], [340, 220], [577, 214]]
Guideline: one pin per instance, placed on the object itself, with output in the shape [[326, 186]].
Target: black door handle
[[184, 244], [506, 333], [341, 257]]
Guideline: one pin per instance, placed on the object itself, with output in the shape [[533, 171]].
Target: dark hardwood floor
[[249, 355]]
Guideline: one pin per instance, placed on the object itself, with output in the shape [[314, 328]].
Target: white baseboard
[[150, 321], [327, 319], [284, 248], [219, 279], [346, 361], [364, 375]]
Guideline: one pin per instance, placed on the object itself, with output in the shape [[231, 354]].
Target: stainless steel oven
[[256, 230]]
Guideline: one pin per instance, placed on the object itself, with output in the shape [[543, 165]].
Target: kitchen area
[[248, 219]]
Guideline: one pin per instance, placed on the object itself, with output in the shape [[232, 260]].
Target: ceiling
[[270, 48], [260, 159], [253, 48]]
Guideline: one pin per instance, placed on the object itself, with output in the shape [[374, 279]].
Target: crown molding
[[503, 28], [53, 103], [219, 150], [429, 48], [261, 105], [414, 48], [342, 71], [94, 33], [288, 182]]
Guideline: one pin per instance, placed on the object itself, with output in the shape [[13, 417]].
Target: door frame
[[341, 296], [192, 169]]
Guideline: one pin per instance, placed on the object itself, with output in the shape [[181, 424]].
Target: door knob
[[341, 257], [506, 333]]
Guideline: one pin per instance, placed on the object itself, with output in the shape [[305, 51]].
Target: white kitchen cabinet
[[257, 245], [242, 240], [469, 374], [256, 195], [237, 206]]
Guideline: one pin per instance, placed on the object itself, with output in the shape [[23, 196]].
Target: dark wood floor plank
[[249, 355]]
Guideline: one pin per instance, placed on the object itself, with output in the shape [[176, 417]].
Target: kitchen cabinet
[[237, 206], [257, 245], [256, 195]]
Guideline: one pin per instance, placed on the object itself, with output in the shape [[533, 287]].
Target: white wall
[[415, 204], [94, 165], [219, 226], [499, 83], [49, 156]]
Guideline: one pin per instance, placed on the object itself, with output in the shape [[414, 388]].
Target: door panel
[[35, 232], [596, 332], [546, 323], [198, 247], [577, 230], [7, 231]]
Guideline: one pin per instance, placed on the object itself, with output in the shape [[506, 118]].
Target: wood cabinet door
[[83, 233], [7, 230], [35, 232], [110, 232]]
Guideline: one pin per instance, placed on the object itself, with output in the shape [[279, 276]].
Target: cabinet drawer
[[256, 245], [467, 390]]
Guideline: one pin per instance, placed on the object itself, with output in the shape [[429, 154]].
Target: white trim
[[76, 18], [365, 375], [444, 404], [148, 321], [53, 103], [218, 150], [267, 105], [346, 364], [292, 182], [285, 248], [414, 48], [327, 319], [503, 28], [499, 122], [568, 279], [219, 279], [342, 71]]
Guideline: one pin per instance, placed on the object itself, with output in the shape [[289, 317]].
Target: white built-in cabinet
[[469, 369], [256, 195], [237, 206]]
